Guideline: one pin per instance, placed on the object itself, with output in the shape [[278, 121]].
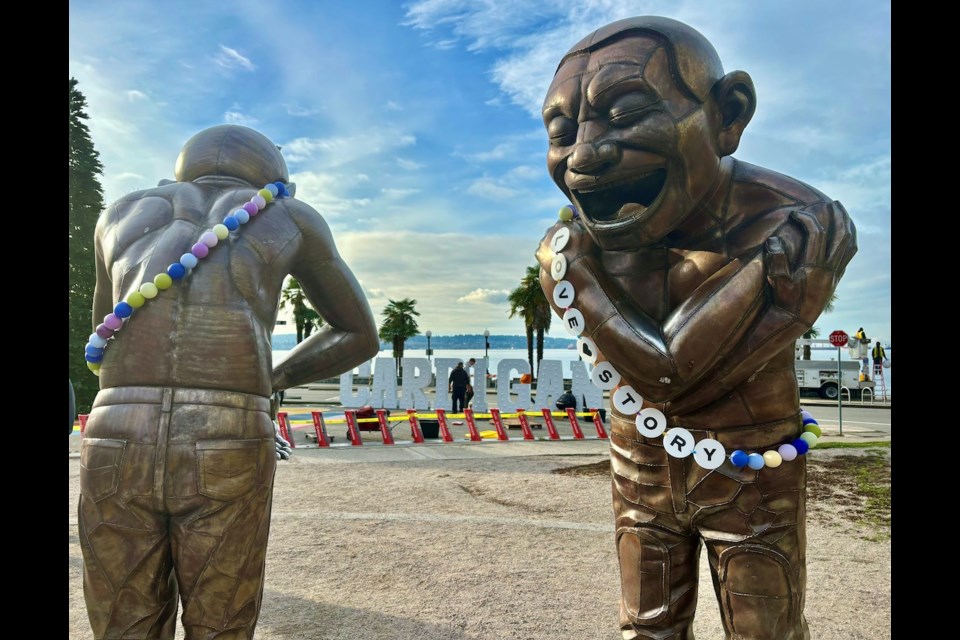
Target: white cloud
[[409, 165], [489, 296], [488, 188], [231, 59], [133, 95], [236, 117], [399, 193]]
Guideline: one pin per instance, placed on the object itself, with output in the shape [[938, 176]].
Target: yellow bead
[[772, 459], [149, 290], [163, 281], [809, 438], [221, 231], [566, 214], [813, 428], [135, 299], [266, 195]]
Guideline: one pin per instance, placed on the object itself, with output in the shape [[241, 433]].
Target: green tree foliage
[[399, 324], [529, 303], [304, 316], [86, 203]]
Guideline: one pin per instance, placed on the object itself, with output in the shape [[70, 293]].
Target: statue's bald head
[[694, 58], [234, 151]]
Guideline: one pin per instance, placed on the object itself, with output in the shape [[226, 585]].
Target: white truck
[[820, 376]]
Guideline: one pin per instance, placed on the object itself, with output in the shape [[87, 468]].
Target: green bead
[[266, 195], [163, 281], [566, 214], [149, 290], [221, 231], [813, 428], [809, 438], [135, 299]]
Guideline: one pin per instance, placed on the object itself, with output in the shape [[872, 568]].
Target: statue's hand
[[828, 240], [284, 450]]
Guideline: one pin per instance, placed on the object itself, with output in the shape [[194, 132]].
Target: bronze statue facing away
[[692, 274], [178, 458]]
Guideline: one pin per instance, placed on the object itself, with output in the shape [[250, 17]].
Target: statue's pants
[[751, 522], [175, 494]]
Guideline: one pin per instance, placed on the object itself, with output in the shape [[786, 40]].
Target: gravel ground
[[498, 548]]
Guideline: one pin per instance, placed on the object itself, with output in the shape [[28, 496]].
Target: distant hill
[[287, 341]]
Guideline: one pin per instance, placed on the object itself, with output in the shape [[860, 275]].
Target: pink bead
[[259, 201], [200, 250], [111, 321], [251, 208], [209, 238], [104, 331]]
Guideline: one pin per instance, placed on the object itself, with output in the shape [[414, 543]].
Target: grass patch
[[885, 444]]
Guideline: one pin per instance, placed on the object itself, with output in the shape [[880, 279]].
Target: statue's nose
[[591, 157]]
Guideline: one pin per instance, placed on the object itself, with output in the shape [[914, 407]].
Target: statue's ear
[[736, 102]]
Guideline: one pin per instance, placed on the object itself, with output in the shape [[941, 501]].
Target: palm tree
[[305, 317], [814, 332], [399, 325], [529, 302]]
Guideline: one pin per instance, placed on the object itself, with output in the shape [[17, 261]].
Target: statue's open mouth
[[622, 199]]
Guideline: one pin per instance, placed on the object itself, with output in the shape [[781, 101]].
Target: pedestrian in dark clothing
[[469, 396], [457, 383]]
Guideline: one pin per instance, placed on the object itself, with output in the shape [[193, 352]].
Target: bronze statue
[[692, 274], [178, 458]]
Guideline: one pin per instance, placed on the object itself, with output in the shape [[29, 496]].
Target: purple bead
[[251, 209], [111, 321], [104, 331], [808, 417], [209, 238], [200, 250]]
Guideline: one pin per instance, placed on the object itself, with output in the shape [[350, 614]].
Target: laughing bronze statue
[[692, 274], [178, 455]]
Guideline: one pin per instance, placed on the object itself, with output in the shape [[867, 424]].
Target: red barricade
[[498, 424], [572, 414], [472, 425], [285, 431], [551, 428], [415, 426], [598, 423], [524, 425], [320, 428], [444, 430], [384, 427], [352, 432]]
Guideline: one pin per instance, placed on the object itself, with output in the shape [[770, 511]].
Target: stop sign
[[839, 338]]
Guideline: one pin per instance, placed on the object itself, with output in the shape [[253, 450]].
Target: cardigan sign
[[416, 376]]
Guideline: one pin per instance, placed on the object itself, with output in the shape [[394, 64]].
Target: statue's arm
[[349, 336], [823, 240], [659, 360], [732, 324], [103, 290]]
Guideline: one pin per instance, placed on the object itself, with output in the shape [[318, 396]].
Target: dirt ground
[[501, 548]]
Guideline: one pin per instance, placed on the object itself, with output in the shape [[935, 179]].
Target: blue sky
[[414, 127]]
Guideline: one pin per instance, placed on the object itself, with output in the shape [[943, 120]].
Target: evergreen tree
[[86, 203]]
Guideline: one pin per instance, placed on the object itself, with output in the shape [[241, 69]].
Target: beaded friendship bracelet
[[650, 422], [123, 310]]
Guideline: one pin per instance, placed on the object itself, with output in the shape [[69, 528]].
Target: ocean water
[[565, 356]]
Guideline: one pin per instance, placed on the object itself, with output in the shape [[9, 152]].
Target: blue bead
[[801, 446], [272, 188], [738, 458], [176, 270], [281, 189], [755, 461], [91, 358], [188, 260], [123, 310], [93, 351], [808, 417], [231, 223]]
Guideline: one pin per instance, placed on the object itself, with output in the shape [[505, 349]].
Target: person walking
[[469, 396], [457, 385]]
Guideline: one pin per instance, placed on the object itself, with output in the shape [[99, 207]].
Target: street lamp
[[486, 340], [429, 334]]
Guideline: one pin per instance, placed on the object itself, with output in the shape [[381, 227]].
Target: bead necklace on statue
[[651, 422], [123, 310]]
